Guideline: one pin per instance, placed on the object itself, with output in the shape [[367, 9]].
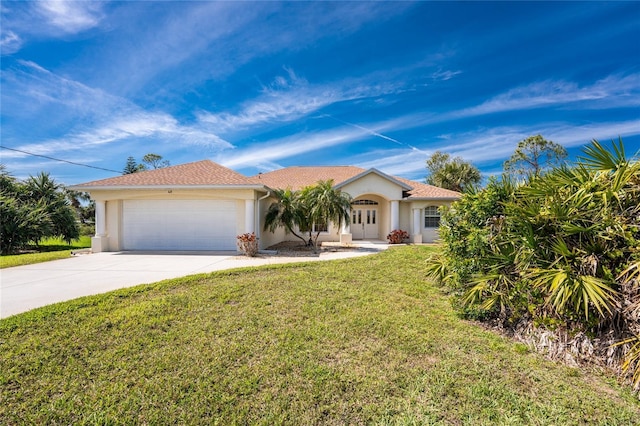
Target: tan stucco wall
[[373, 184], [114, 206], [429, 235]]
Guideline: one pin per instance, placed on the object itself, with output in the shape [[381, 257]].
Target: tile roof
[[203, 172], [423, 190], [207, 172], [296, 178]]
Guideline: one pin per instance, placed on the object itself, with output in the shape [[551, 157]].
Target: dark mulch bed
[[297, 248]]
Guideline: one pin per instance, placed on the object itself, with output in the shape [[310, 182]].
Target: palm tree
[[287, 211], [451, 173], [325, 204]]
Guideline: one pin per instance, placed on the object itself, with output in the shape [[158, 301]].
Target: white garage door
[[179, 225]]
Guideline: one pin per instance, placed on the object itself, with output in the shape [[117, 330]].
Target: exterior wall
[[114, 225], [376, 188], [406, 217], [266, 238], [373, 184], [429, 235], [114, 206]]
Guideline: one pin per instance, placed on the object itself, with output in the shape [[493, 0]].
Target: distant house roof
[[199, 173], [206, 173]]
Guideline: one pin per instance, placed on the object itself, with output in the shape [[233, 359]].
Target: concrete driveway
[[23, 288]]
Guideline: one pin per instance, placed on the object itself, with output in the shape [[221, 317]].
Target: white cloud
[[487, 145], [611, 92], [10, 42], [71, 16], [278, 149], [98, 118], [290, 98], [444, 75]]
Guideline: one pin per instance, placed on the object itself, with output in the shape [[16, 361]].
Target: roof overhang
[[430, 199], [163, 187]]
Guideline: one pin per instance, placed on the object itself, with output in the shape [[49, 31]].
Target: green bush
[[559, 250], [33, 210]]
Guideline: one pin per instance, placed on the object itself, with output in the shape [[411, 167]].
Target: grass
[[358, 341], [47, 250]]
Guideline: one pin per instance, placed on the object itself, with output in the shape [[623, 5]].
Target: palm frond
[[599, 158]]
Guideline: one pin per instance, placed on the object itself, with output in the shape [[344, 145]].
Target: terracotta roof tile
[[207, 172], [296, 178], [204, 172], [423, 190]]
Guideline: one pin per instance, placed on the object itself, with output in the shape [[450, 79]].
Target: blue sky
[[258, 86]]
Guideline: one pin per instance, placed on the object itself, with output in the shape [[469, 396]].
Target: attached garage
[[179, 225]]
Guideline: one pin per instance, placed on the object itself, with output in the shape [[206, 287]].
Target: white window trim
[[425, 216]]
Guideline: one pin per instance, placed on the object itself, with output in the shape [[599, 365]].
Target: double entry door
[[364, 222]]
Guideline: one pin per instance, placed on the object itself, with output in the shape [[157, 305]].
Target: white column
[[99, 242], [395, 215], [345, 232], [101, 219], [249, 216], [416, 222], [346, 227], [417, 228]]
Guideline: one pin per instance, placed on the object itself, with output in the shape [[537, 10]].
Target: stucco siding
[[373, 184]]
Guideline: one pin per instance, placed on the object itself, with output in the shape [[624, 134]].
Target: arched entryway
[[365, 219]]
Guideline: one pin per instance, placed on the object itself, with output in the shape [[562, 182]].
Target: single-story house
[[204, 206]]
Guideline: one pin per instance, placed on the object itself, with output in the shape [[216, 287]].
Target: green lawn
[[359, 341], [50, 249]]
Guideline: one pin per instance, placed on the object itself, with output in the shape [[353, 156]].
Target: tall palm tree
[[287, 211], [326, 204]]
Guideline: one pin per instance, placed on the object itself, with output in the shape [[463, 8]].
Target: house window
[[431, 217], [364, 203], [320, 227]]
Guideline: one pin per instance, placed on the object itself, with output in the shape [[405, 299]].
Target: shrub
[[560, 249], [397, 236], [248, 244]]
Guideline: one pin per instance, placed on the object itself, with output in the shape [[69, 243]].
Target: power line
[[57, 159]]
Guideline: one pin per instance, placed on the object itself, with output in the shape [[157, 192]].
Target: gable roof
[[199, 173]]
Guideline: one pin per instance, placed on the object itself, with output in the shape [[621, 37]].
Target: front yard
[[359, 341], [50, 249]]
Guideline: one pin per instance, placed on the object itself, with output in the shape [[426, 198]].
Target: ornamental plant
[[558, 253], [248, 244], [397, 236]]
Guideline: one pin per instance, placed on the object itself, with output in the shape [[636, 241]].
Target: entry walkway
[[23, 288]]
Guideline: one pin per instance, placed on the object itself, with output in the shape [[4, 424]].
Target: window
[[431, 217], [320, 227], [364, 203]]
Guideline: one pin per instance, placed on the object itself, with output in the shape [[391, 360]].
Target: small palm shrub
[[248, 244], [559, 251], [397, 236]]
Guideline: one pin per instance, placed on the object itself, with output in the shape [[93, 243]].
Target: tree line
[[532, 156], [39, 208]]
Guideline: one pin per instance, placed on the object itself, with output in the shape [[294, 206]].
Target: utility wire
[[57, 159]]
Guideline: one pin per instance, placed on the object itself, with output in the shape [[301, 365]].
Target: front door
[[364, 223]]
